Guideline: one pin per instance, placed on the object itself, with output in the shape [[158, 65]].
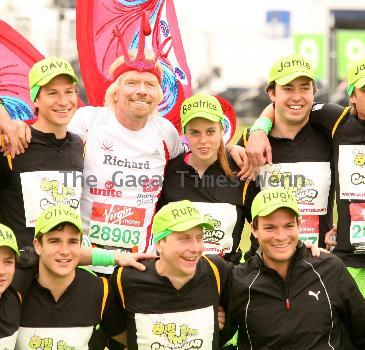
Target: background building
[[229, 45]]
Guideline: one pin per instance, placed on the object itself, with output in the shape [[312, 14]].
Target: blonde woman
[[206, 176]]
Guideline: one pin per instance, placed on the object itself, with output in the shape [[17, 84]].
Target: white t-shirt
[[123, 174]]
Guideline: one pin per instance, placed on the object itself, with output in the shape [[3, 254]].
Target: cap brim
[[188, 224], [360, 83], [34, 92], [350, 89], [10, 246], [268, 210], [290, 77], [35, 88], [53, 223], [205, 115], [49, 77]]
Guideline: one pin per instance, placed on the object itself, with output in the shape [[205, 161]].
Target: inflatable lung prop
[[98, 47], [229, 119], [17, 56]]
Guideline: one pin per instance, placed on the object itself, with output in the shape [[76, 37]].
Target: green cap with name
[[45, 70], [201, 106], [177, 217], [53, 216], [288, 68], [269, 200], [8, 239], [356, 76]]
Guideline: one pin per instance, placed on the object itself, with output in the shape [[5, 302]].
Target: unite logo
[[107, 191]]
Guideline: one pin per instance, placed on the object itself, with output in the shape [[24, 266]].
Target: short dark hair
[[272, 85], [58, 227], [255, 221]]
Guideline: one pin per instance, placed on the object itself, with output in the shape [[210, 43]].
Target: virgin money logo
[[357, 211], [309, 224], [107, 145], [118, 214]]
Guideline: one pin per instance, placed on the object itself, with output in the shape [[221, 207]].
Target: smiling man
[[174, 303], [10, 300], [32, 181], [62, 304], [345, 127], [127, 146], [284, 297], [301, 154]]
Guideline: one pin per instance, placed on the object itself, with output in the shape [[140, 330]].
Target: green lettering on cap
[[290, 67], [359, 69], [6, 235], [186, 211], [267, 197]]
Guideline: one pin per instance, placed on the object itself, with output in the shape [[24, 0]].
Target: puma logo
[[314, 294]]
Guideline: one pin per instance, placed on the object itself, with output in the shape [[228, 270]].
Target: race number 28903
[[358, 232], [116, 235]]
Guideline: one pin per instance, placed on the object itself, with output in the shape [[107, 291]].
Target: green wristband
[[263, 123], [102, 257]]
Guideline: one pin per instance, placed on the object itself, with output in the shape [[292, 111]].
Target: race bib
[[176, 331], [351, 170], [309, 229], [357, 228], [44, 189], [223, 217], [116, 225], [8, 343], [309, 181], [53, 338]]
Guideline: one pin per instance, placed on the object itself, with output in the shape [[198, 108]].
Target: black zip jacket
[[318, 306]]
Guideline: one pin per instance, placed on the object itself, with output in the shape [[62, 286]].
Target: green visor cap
[[56, 215], [356, 76], [45, 70], [177, 217], [289, 68], [8, 239], [201, 106], [269, 200]]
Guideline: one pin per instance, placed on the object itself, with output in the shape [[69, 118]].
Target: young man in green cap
[[285, 298], [62, 303], [301, 155], [34, 180], [10, 300], [174, 303], [345, 127]]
